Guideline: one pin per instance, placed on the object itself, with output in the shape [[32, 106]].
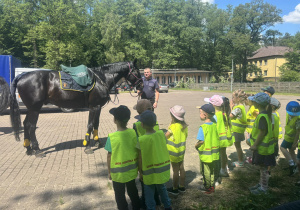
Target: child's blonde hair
[[240, 95]]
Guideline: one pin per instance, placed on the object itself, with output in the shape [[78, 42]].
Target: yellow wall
[[273, 64]]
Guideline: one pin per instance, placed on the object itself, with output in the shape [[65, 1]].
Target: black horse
[[42, 87], [4, 95]]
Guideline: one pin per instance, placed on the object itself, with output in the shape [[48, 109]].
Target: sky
[[290, 12]]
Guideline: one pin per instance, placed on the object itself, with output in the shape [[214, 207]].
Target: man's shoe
[[172, 191]]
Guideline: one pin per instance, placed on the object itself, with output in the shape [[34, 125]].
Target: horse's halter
[[137, 82]]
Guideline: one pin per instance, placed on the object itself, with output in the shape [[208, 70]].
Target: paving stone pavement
[[67, 178]]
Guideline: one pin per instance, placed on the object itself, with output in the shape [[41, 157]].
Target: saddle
[[76, 79]]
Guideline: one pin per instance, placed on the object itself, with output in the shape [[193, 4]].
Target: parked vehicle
[[8, 64], [126, 87], [172, 84], [163, 88], [114, 90]]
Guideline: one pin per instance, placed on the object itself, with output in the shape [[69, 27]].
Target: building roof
[[269, 51]]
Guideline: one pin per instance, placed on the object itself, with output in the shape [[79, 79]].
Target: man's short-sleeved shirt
[[149, 88], [200, 135]]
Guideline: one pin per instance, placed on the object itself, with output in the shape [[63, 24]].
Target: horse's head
[[134, 76]]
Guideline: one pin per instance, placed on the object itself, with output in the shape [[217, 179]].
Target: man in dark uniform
[[150, 90]]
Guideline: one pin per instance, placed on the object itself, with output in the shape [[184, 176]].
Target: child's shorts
[[239, 136], [287, 145]]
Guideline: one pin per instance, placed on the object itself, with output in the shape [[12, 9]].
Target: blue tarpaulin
[[8, 63]]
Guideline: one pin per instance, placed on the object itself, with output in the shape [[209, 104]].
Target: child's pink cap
[[215, 100]]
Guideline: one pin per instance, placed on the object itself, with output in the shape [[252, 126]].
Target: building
[[167, 76], [268, 59]]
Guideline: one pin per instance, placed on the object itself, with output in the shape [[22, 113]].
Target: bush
[[287, 75]]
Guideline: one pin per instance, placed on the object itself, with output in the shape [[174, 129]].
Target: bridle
[[137, 82]]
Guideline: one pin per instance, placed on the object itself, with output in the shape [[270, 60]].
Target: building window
[[260, 63], [163, 80], [157, 79], [169, 79], [181, 78], [265, 72], [186, 79], [266, 62], [250, 74], [176, 79], [255, 73], [255, 62], [199, 79]]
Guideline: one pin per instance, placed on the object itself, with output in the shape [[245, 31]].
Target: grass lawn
[[233, 192]]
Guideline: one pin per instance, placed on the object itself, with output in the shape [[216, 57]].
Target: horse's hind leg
[[26, 136], [86, 141], [30, 126], [96, 125]]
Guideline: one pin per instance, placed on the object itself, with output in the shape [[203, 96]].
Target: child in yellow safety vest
[[122, 159], [251, 116], [141, 106], [277, 130], [208, 148], [154, 161], [176, 140], [239, 123], [262, 141], [291, 137]]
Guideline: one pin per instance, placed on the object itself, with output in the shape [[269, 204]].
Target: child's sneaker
[[224, 174], [181, 189], [238, 164], [258, 191], [254, 187], [210, 190], [172, 191]]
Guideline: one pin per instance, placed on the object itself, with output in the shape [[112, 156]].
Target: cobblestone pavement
[[67, 178]]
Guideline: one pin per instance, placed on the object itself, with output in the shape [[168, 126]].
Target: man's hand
[[155, 105]]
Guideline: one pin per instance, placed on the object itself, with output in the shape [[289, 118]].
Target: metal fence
[[280, 87]]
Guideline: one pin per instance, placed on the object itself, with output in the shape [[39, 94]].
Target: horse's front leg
[[96, 125], [86, 141]]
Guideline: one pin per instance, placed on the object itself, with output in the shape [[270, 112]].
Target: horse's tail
[[15, 117]]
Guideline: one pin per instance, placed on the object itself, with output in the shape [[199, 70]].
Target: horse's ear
[[134, 62]]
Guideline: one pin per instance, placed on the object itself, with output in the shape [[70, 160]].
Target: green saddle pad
[[79, 74]]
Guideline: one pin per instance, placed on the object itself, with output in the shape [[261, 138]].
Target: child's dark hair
[[122, 123], [183, 123], [227, 110]]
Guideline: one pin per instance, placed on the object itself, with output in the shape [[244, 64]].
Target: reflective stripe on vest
[[225, 135], [176, 142], [239, 125], [156, 168], [124, 155], [266, 147], [141, 131], [209, 150]]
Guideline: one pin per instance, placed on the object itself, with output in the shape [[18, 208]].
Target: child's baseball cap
[[260, 98], [142, 105], [215, 100], [293, 108], [178, 112], [269, 89], [275, 102], [208, 108], [121, 113], [148, 118]]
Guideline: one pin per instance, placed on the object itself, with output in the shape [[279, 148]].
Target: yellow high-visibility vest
[[251, 118], [124, 156], [225, 134], [141, 131], [209, 150], [266, 147], [176, 142], [155, 158], [239, 125]]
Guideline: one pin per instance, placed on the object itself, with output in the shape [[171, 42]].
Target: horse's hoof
[[97, 144], [39, 154], [29, 151], [88, 151]]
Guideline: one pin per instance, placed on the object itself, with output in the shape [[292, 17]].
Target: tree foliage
[[159, 33]]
